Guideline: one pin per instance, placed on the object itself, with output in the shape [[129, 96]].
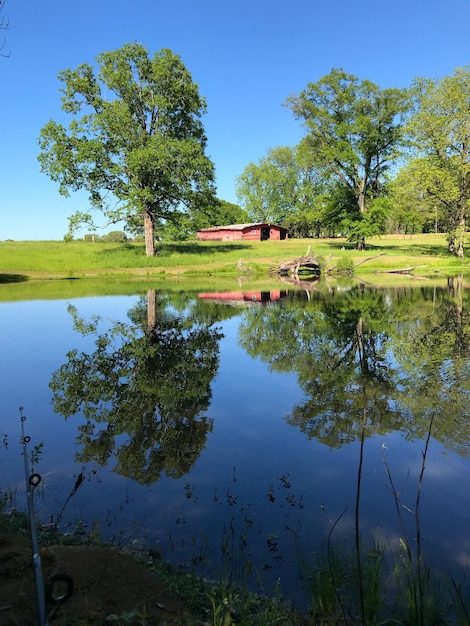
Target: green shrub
[[115, 236], [345, 265], [91, 237]]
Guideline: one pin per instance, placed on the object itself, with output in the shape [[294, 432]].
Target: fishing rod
[[59, 587]]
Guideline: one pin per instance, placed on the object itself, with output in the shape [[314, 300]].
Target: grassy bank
[[39, 260], [396, 588]]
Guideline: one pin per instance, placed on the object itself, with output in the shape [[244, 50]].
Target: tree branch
[[4, 25]]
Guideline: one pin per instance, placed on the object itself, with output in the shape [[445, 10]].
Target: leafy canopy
[[440, 129], [354, 132], [136, 142], [280, 185]]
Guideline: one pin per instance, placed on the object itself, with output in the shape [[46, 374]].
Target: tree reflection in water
[[142, 391], [372, 361]]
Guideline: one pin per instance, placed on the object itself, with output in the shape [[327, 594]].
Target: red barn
[[247, 232], [243, 297]]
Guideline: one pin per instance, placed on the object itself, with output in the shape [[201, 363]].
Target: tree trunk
[[361, 200], [451, 244], [460, 239], [151, 310], [361, 244], [148, 232], [464, 196], [361, 203], [456, 239]]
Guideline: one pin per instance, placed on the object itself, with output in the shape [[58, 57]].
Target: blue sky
[[246, 56]]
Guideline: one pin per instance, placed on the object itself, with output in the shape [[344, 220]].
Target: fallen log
[[331, 268], [402, 270], [376, 256], [306, 264]]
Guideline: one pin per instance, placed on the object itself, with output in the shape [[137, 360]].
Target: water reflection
[[245, 297], [293, 388], [369, 361], [433, 349], [142, 391], [378, 360]]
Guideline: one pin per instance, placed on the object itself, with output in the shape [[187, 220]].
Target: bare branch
[[4, 25]]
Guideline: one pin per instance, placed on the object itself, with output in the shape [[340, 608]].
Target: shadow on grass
[[12, 278], [416, 249], [190, 247], [185, 247]]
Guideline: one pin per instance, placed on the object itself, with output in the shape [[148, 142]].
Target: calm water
[[209, 424]]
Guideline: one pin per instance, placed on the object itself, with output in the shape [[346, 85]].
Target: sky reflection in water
[[258, 473]]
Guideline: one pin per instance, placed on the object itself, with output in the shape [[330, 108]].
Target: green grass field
[[38, 260]]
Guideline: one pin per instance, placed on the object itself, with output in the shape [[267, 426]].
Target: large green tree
[[441, 131], [354, 132], [136, 143], [414, 210], [281, 184], [217, 213]]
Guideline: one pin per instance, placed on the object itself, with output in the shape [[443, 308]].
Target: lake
[[240, 433]]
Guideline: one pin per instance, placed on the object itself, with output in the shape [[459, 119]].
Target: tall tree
[[441, 130], [279, 185], [136, 143], [219, 212], [414, 210], [354, 130]]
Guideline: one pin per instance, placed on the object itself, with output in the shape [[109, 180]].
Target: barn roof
[[238, 226]]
